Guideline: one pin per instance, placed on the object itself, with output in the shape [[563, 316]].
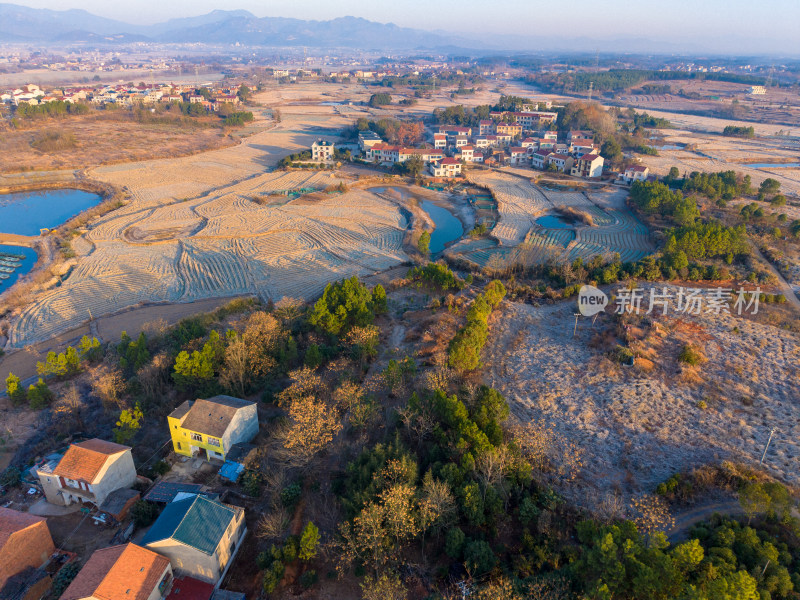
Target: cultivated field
[[217, 245], [638, 425], [520, 239]]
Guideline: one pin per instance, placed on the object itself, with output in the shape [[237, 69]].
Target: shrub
[[691, 355], [290, 495], [144, 513], [15, 390], [308, 579], [479, 557], [39, 395]]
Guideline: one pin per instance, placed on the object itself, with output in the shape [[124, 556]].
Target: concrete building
[[88, 472], [446, 167], [486, 127], [199, 536], [125, 572], [519, 156], [25, 542], [562, 162], [322, 151], [440, 141], [635, 173], [587, 166], [212, 426], [368, 139], [539, 158]]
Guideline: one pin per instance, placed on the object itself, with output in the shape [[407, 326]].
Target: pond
[[10, 257], [790, 165], [25, 213], [671, 147], [554, 222], [448, 227]]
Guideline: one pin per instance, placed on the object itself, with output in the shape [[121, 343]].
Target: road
[[787, 289]]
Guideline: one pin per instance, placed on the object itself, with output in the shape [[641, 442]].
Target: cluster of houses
[[509, 138], [185, 553], [124, 95]]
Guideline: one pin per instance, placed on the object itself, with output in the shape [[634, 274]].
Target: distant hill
[[20, 23]]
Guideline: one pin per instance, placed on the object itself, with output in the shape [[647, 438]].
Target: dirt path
[[787, 289], [684, 521]]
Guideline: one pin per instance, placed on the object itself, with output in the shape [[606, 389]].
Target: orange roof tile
[[85, 460], [12, 521], [126, 572], [134, 576]]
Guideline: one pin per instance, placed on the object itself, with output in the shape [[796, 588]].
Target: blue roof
[[197, 522], [231, 470]]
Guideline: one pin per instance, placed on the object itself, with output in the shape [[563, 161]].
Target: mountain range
[[24, 24], [225, 27]]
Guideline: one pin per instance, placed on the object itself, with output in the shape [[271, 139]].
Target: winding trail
[[787, 289]]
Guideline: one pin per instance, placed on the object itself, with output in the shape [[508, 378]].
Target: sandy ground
[[639, 425]]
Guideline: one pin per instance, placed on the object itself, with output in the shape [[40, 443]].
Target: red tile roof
[[127, 572], [189, 588], [12, 521], [589, 157], [85, 460], [449, 161]]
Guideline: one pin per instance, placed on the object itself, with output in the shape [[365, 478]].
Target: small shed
[[119, 502], [231, 470], [165, 491]]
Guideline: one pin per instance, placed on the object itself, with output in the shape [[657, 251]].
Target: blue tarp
[[231, 470]]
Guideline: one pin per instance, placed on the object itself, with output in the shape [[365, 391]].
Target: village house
[[200, 536], [322, 151], [582, 148], [460, 141], [588, 165], [481, 142], [635, 173], [88, 472], [214, 425], [367, 139], [25, 542], [512, 129], [562, 162], [383, 153], [440, 141], [453, 130], [529, 144], [446, 167], [550, 136], [485, 127], [503, 139], [467, 153], [127, 572], [519, 156], [539, 158]]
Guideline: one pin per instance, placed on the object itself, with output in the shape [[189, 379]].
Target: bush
[[11, 477], [308, 579], [144, 513], [39, 395], [15, 390], [691, 355], [290, 495]]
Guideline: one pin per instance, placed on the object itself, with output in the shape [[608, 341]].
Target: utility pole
[[575, 331], [771, 432]]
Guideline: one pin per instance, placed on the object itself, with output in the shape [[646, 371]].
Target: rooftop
[[84, 460], [12, 521], [211, 416], [127, 572], [197, 522], [189, 588], [165, 491]]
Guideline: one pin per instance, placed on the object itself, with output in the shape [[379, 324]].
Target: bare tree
[[108, 385], [235, 373]]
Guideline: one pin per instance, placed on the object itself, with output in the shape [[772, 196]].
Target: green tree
[[39, 395], [424, 242], [380, 99], [90, 349], [769, 186], [15, 390], [130, 422], [413, 166], [313, 356], [309, 542], [343, 305]]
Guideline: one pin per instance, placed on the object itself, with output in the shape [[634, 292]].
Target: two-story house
[[198, 535], [588, 165], [88, 472], [212, 426], [447, 167], [322, 150], [127, 572]]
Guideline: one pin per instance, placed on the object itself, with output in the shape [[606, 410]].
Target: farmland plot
[[216, 246]]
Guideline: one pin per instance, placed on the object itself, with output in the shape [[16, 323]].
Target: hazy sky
[[732, 21]]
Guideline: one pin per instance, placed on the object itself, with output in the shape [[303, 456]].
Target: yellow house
[[213, 425]]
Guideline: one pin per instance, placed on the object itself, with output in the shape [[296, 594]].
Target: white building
[[321, 150], [588, 165], [635, 173], [446, 167], [88, 472]]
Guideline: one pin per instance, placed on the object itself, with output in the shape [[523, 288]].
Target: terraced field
[[519, 239], [223, 244]]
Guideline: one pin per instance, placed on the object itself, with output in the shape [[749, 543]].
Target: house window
[[178, 445], [196, 437], [213, 442]]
